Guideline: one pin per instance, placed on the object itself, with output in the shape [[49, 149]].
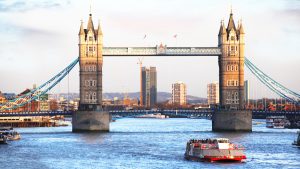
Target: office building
[[148, 87], [213, 93], [179, 93]]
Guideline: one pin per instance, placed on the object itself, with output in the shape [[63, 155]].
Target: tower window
[[94, 96], [91, 49], [90, 38], [232, 48], [232, 38]]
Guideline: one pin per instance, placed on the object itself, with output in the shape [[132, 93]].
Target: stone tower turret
[[90, 64], [231, 65]]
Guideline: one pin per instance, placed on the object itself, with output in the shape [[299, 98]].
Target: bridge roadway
[[174, 113]]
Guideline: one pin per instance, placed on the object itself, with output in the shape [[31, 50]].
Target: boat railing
[[206, 146]]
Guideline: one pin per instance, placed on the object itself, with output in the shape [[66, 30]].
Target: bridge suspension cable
[[37, 92], [272, 84]]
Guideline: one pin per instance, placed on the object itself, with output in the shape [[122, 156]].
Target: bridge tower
[[90, 115], [90, 64], [231, 116], [231, 65]]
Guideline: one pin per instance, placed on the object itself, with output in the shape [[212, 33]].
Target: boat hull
[[216, 158], [14, 137]]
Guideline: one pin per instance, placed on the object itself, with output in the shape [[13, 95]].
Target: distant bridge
[[123, 113], [173, 113]]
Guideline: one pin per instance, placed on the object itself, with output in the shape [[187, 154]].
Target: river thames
[[144, 144]]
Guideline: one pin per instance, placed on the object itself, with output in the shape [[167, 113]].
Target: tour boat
[[10, 133], [278, 122], [13, 135], [216, 149], [153, 116]]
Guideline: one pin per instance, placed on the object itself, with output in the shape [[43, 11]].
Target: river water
[[144, 144]]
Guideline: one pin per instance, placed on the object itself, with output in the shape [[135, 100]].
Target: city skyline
[[42, 47]]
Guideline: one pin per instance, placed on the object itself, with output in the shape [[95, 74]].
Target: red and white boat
[[216, 149]]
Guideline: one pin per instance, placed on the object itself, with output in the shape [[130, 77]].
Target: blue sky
[[39, 38]]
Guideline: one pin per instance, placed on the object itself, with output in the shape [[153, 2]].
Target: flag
[[175, 36], [145, 37]]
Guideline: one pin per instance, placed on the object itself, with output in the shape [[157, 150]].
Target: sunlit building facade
[[179, 93], [213, 93]]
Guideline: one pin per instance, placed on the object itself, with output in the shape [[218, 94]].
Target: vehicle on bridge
[[216, 149]]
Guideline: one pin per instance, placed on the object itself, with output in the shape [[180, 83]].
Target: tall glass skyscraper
[[148, 87]]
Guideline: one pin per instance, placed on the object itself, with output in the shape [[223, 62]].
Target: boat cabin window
[[222, 141]]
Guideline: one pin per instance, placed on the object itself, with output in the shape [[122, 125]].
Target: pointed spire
[[99, 31], [231, 24], [241, 28], [222, 28], [90, 25], [81, 31]]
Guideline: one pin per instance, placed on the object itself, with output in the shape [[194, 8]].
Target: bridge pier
[[232, 120], [87, 121]]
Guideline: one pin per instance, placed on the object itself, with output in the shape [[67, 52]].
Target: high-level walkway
[[161, 51]]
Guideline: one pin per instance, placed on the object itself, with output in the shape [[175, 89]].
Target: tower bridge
[[231, 60], [230, 52]]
